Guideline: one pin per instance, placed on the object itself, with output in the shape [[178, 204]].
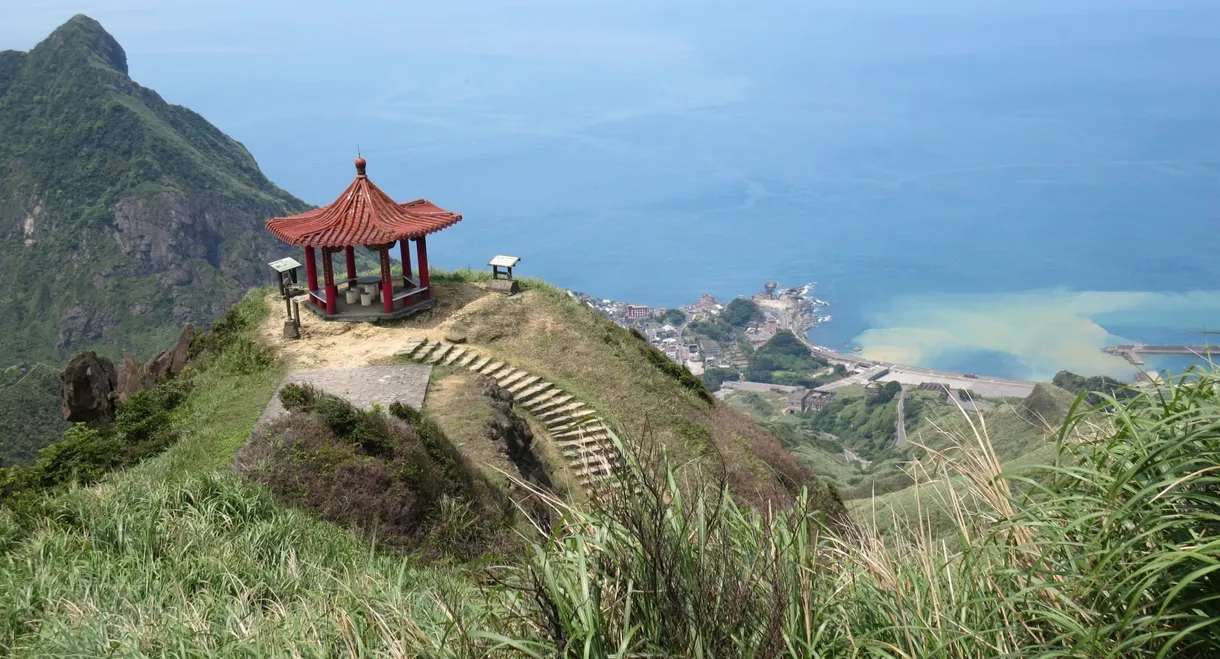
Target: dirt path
[[348, 345]]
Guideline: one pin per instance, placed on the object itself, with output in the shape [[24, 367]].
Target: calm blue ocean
[[1001, 187]]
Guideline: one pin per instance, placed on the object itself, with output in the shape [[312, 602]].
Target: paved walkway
[[362, 387]]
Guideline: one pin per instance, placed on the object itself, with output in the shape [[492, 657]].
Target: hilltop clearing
[[636, 389]]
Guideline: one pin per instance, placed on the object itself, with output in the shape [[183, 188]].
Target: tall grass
[[1112, 551]]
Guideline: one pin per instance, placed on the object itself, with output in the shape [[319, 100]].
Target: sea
[[1001, 187]]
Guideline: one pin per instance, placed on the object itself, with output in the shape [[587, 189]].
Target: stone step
[[597, 471], [578, 418], [555, 406], [537, 388], [499, 373], [494, 366], [609, 451], [555, 412], [590, 427], [426, 351], [516, 376], [543, 399], [479, 363], [411, 347], [436, 355], [520, 385], [468, 359], [594, 434], [454, 355]]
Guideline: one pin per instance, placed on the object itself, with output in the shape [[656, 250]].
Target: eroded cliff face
[[122, 217]]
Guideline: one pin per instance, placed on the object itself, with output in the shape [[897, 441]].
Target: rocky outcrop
[[506, 426], [89, 389], [166, 365]]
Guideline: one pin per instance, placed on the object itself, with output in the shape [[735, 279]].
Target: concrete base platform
[[355, 313], [362, 387]]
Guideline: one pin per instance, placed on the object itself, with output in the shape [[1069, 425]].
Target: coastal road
[[986, 387]]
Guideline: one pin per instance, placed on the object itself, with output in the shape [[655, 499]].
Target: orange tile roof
[[362, 215]]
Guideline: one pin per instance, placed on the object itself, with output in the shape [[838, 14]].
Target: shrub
[[143, 427], [395, 477]]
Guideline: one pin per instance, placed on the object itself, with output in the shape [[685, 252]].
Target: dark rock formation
[[166, 365], [505, 425], [89, 387]]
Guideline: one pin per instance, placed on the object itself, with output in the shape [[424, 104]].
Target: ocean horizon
[[1001, 189]]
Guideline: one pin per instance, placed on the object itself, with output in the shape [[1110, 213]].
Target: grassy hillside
[[852, 442], [633, 386], [121, 216], [1114, 554], [29, 410]]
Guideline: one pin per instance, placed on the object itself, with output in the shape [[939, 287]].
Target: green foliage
[[82, 140], [741, 312], [861, 424], [1114, 552], [714, 377], [673, 317], [92, 164], [784, 360], [144, 423], [262, 580], [730, 322], [885, 393], [1096, 388], [142, 428], [714, 329], [30, 416], [398, 479]]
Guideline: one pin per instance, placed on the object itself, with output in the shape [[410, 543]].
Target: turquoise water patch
[[1034, 334]]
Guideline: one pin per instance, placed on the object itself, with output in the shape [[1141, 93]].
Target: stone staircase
[[580, 435]]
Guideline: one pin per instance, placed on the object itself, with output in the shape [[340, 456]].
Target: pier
[[1132, 351]]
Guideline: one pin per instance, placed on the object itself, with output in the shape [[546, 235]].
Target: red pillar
[[332, 293], [387, 283], [421, 246], [350, 253], [311, 271], [404, 247]]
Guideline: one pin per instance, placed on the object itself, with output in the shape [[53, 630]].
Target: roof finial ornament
[[360, 163]]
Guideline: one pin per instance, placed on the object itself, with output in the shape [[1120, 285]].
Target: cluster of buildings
[[666, 337], [758, 333], [622, 313]]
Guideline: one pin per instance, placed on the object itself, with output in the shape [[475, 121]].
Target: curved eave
[[362, 215]]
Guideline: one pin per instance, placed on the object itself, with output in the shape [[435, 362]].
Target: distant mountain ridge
[[122, 217]]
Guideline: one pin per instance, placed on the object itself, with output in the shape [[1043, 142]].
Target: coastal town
[[669, 329], [682, 334]]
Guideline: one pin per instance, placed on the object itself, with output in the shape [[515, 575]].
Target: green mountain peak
[[122, 217], [81, 39]]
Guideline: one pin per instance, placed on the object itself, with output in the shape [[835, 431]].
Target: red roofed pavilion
[[364, 215]]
